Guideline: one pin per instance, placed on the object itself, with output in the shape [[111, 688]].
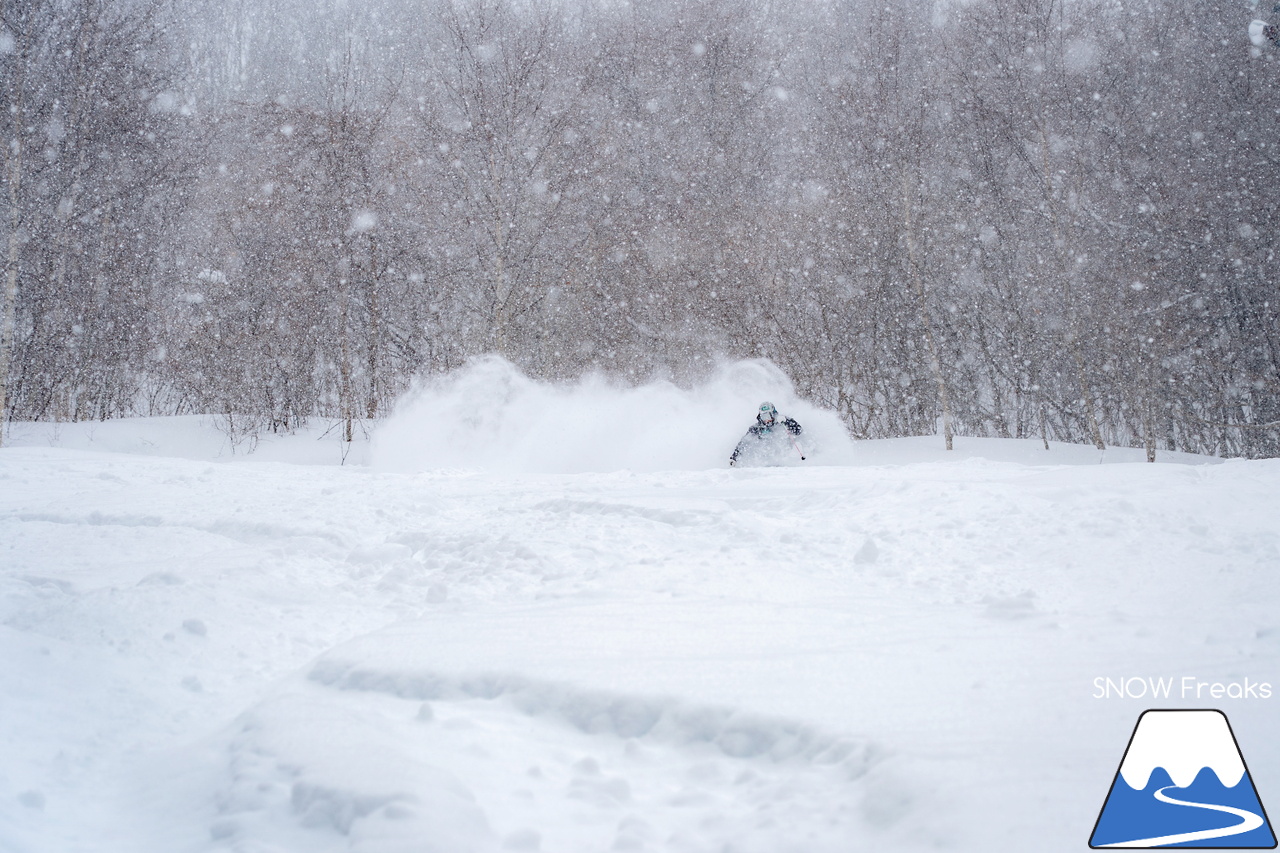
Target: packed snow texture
[[486, 645]]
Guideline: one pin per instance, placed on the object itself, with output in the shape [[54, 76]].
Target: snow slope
[[894, 649]]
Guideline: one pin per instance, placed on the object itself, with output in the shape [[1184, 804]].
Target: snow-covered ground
[[554, 619]]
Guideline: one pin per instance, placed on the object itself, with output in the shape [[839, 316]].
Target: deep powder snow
[[551, 618]]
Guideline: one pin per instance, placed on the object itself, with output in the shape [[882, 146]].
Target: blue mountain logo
[[1183, 783]]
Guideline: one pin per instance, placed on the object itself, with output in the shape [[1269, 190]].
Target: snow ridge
[[601, 712]]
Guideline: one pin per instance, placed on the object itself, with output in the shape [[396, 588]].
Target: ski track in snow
[[263, 657]]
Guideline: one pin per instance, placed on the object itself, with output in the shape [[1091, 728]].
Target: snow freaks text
[[1186, 687]]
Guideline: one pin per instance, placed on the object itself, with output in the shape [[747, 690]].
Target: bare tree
[[89, 87], [498, 138], [1021, 218]]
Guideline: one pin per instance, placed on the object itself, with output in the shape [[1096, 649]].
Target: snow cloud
[[1081, 55], [490, 416], [362, 221]]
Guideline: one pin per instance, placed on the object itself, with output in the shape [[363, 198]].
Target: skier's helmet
[[768, 414]]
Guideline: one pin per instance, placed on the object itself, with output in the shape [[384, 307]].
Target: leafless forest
[[1051, 219]]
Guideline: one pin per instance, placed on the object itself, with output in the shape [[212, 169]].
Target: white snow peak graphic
[[1183, 743], [1183, 782]]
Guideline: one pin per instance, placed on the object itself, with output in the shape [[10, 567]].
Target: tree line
[[1052, 220]]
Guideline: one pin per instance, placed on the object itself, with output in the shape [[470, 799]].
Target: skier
[[763, 438]]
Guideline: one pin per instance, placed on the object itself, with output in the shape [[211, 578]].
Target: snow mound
[[201, 437], [490, 416], [601, 712], [319, 768]]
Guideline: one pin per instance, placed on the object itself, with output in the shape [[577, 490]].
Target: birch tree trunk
[[13, 159], [10, 278], [917, 284]]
